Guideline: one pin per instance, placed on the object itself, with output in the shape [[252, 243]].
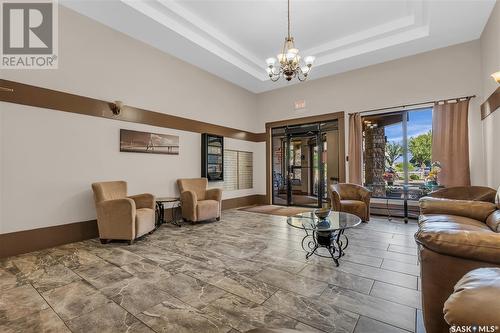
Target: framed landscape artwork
[[142, 142]]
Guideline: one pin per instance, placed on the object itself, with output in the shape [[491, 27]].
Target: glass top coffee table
[[327, 233]]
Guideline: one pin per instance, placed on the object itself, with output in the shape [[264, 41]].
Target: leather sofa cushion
[[493, 221], [460, 237], [466, 221], [477, 210], [207, 209], [475, 300], [144, 221]]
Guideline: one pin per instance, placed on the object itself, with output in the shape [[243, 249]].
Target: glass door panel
[[302, 166]]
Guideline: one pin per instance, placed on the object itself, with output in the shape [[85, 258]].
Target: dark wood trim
[[256, 199], [25, 241], [61, 101], [491, 104], [15, 243], [306, 120], [301, 121]]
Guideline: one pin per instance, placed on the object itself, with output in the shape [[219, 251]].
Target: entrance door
[[305, 171]]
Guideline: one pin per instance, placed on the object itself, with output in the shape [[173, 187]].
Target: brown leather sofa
[[120, 216], [197, 202], [351, 198], [455, 236]]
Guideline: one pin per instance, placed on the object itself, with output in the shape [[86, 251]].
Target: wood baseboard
[[256, 199], [25, 241]]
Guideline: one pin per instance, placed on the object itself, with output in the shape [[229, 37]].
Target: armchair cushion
[[207, 209], [477, 210], [459, 237]]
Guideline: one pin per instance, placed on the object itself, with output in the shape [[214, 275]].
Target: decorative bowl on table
[[322, 213]]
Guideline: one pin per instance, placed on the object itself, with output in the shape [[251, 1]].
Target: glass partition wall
[[397, 157], [305, 161]]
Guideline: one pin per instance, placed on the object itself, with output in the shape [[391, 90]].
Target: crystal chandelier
[[288, 63]]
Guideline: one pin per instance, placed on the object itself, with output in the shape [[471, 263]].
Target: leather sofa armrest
[[214, 194], [477, 210], [144, 200], [493, 221], [475, 299], [460, 241]]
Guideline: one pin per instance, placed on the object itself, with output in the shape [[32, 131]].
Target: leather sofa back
[[475, 193]]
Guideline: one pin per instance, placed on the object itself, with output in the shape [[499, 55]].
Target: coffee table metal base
[[334, 241]]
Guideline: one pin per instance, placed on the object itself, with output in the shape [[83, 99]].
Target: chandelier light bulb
[[270, 62], [305, 69], [309, 60], [496, 76]]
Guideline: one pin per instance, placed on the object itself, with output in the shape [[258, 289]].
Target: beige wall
[[49, 159], [490, 63], [444, 73]]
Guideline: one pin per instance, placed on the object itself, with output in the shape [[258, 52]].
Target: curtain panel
[[355, 148], [450, 142]]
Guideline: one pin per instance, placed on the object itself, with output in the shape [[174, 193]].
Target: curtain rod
[[416, 104]]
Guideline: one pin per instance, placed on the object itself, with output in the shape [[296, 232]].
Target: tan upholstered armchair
[[199, 203], [351, 198], [120, 216]]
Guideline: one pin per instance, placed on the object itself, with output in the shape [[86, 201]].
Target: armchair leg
[[218, 219], [104, 241], [130, 242]]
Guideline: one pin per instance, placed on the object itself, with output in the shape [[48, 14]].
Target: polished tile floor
[[246, 271]]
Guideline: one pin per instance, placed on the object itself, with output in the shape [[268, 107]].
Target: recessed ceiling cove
[[233, 38]]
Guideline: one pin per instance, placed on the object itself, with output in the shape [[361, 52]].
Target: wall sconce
[[496, 76], [116, 107]]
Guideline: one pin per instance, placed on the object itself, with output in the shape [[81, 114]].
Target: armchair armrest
[[144, 200], [365, 195], [116, 218], [482, 245], [478, 210], [335, 199], [189, 200], [214, 194]]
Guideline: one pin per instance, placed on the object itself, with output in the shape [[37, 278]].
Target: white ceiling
[[232, 38]]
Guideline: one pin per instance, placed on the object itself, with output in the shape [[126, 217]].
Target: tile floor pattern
[[246, 271]]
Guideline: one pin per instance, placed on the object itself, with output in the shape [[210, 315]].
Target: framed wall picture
[[152, 143]]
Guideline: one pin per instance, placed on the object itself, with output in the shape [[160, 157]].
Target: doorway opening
[[305, 160]]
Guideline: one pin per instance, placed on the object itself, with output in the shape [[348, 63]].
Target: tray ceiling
[[232, 38]]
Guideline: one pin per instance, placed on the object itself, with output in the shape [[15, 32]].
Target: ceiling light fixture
[[496, 76], [288, 63]]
